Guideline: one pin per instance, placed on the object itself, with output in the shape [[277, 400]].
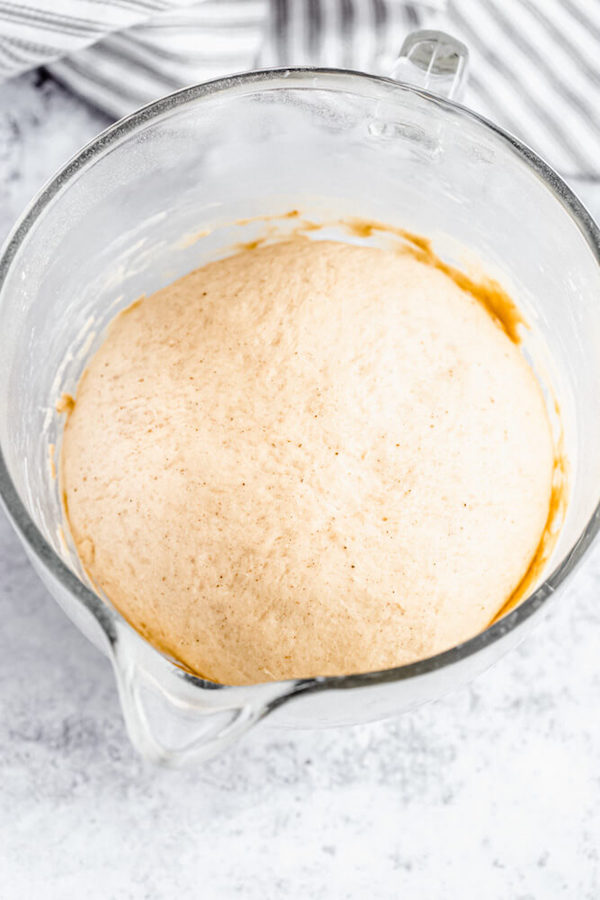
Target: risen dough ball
[[307, 459]]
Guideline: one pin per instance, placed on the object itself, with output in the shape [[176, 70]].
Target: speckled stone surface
[[493, 792]]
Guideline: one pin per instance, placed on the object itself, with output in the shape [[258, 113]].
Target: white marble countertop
[[493, 792]]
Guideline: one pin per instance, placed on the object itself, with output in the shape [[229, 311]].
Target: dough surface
[[306, 459]]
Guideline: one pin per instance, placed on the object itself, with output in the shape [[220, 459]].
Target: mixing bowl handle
[[433, 60]]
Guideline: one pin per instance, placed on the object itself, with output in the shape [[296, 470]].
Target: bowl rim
[[297, 77]]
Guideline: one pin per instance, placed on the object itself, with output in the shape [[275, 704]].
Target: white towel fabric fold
[[535, 63]]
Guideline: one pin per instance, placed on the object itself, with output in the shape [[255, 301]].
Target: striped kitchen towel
[[535, 64]]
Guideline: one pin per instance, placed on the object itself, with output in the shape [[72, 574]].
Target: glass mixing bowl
[[127, 215]]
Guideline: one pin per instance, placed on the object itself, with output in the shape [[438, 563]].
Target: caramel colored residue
[[132, 306], [66, 404], [306, 225], [556, 512], [51, 463], [189, 239], [490, 294], [250, 245], [487, 291], [292, 214]]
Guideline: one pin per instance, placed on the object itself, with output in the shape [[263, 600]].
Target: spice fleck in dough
[[311, 458]]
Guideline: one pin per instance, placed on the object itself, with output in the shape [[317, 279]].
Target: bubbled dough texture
[[311, 458]]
